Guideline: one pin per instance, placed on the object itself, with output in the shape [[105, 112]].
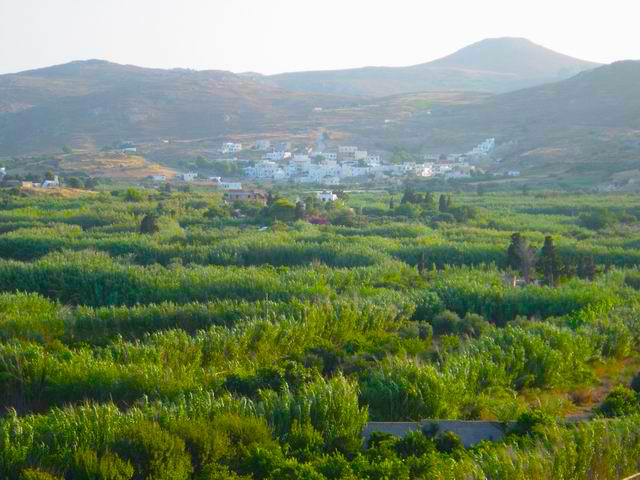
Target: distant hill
[[93, 103], [584, 126], [588, 124], [492, 65]]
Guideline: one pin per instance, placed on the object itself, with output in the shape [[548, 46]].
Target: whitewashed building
[[277, 156], [55, 183], [360, 155], [326, 196], [373, 159], [332, 156]]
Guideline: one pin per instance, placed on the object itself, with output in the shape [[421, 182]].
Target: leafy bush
[[88, 466], [620, 401], [154, 453], [446, 323], [532, 422]]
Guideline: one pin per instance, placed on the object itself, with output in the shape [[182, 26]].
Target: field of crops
[[167, 335]]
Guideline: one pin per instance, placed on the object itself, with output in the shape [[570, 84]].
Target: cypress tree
[[587, 268], [299, 210], [513, 252], [429, 202], [422, 263], [442, 203], [549, 262], [408, 196]]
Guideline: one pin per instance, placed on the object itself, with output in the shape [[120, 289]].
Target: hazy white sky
[[270, 36]]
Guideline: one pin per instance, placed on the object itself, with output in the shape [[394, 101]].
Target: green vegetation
[[168, 335]]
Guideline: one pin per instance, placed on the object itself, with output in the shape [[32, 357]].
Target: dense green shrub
[[620, 401], [153, 452]]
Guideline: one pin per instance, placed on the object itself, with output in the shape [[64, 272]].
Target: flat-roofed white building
[[326, 196]]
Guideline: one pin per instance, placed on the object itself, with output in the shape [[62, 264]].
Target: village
[[344, 164]]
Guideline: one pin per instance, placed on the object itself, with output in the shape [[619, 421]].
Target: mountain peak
[[514, 56]]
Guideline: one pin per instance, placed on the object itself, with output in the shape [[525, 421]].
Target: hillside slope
[[492, 65], [588, 123], [94, 103]]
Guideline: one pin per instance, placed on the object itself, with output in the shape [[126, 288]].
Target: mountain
[[586, 125], [94, 103], [491, 65]]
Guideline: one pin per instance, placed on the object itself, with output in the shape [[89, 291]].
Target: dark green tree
[[133, 195], [299, 210], [149, 224], [409, 196], [513, 257], [521, 256], [587, 268], [548, 265], [422, 263], [91, 183], [74, 182], [443, 205], [429, 202], [282, 210]]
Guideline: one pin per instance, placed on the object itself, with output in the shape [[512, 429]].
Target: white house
[[326, 196], [51, 183], [328, 155], [277, 156], [360, 155], [425, 170], [373, 159], [189, 177], [266, 170], [159, 178], [459, 172], [402, 169], [513, 173], [483, 148], [347, 152]]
